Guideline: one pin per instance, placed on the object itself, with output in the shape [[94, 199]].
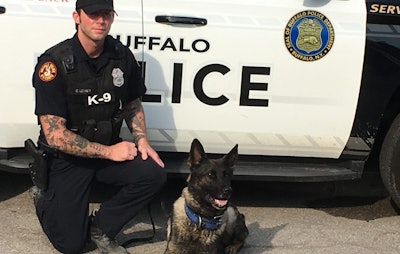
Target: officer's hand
[[123, 151], [147, 151]]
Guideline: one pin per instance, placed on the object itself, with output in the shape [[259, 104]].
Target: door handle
[[181, 20], [2, 9]]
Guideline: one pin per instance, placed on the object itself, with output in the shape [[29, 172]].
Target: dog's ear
[[232, 157], [197, 153]]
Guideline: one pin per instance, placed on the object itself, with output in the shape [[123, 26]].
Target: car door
[[276, 77]]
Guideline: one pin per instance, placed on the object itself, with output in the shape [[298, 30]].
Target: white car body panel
[[310, 104]]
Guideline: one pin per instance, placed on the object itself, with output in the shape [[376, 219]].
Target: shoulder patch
[[47, 72], [309, 35]]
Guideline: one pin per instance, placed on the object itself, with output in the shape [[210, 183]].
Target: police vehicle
[[308, 89]]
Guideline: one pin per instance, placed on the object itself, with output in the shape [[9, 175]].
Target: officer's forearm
[[59, 137], [135, 119], [74, 144]]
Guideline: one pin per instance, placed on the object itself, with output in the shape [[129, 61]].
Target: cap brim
[[93, 9]]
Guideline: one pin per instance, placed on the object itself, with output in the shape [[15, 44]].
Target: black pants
[[63, 208]]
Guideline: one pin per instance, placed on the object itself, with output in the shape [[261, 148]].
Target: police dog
[[202, 220]]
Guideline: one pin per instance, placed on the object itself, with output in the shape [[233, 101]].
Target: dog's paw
[[234, 248]]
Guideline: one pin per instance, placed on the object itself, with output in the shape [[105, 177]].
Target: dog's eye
[[212, 173]]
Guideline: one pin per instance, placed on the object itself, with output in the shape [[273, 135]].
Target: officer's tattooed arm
[[59, 137], [134, 116]]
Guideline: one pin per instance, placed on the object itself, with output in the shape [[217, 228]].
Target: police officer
[[85, 87]]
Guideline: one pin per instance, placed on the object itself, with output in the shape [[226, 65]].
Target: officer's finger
[[132, 149], [159, 162], [131, 145], [144, 156], [156, 158]]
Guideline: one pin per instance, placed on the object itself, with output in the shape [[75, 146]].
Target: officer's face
[[94, 26]]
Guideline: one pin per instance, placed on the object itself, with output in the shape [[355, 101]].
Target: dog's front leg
[[234, 248], [239, 233]]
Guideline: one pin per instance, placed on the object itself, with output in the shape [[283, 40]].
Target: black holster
[[39, 169]]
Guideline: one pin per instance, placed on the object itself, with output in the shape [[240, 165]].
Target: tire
[[389, 161]]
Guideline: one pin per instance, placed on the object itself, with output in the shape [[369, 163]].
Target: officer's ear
[[76, 17]]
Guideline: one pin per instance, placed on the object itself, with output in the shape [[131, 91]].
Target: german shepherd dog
[[202, 220]]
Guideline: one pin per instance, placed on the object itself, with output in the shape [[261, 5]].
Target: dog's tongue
[[220, 202]]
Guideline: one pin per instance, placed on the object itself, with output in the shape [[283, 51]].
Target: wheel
[[389, 161]]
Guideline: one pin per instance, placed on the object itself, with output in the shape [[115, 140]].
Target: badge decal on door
[[309, 35]]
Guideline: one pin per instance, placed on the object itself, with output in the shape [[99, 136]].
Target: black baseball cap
[[91, 6]]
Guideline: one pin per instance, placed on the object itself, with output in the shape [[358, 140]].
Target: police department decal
[[118, 77], [47, 72], [309, 35]]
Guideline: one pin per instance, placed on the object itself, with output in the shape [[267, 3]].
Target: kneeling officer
[[85, 87]]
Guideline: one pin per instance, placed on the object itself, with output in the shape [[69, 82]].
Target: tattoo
[[134, 117], [53, 124], [58, 136], [81, 142]]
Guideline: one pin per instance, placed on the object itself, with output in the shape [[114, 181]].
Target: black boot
[[105, 244]]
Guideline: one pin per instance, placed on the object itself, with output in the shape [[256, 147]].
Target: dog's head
[[209, 181]]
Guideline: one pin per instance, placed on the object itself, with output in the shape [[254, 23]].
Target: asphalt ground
[[349, 217]]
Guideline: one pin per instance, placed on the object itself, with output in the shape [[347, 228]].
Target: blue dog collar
[[202, 222]]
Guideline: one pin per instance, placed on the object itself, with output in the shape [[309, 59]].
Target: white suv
[[308, 89]]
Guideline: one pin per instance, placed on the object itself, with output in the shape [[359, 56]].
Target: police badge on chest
[[118, 77]]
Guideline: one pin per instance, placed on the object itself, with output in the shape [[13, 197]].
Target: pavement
[[282, 220]]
